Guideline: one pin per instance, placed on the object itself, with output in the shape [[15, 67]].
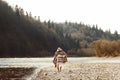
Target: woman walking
[[60, 58]]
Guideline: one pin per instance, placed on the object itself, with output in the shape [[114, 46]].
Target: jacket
[[60, 56]]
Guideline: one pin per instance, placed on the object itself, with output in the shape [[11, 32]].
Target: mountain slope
[[21, 35]]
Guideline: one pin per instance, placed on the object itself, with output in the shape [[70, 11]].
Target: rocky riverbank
[[82, 71]]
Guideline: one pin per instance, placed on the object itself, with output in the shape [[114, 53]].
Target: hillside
[[21, 35]]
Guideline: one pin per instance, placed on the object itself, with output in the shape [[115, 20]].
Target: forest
[[22, 35]]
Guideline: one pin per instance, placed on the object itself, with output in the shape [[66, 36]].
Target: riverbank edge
[[82, 71]]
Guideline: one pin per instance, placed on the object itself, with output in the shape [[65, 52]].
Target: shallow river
[[39, 62]]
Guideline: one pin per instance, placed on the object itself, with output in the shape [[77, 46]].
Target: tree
[[39, 18], [116, 35], [30, 15], [17, 11]]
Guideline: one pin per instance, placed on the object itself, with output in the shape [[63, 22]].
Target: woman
[[60, 58]]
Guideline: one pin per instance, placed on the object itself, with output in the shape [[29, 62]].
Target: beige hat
[[59, 49]]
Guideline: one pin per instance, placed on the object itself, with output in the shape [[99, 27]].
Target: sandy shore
[[82, 71]]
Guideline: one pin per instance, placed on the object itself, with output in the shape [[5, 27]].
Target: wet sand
[[15, 73], [82, 71]]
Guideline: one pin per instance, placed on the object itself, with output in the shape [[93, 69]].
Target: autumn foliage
[[107, 48]]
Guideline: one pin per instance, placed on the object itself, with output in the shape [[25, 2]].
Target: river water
[[39, 63]]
